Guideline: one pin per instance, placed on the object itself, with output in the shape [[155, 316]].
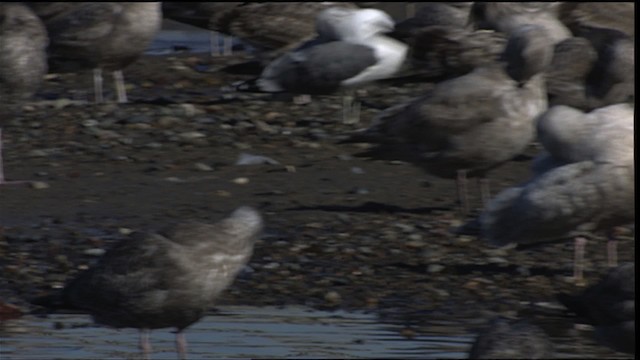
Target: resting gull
[[454, 14], [23, 61], [593, 71], [470, 124], [272, 28], [610, 307], [509, 16], [167, 279], [584, 182], [350, 51], [581, 16], [101, 35], [511, 339]]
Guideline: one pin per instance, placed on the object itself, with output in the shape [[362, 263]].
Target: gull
[[101, 36], [350, 50], [166, 279], [23, 62], [471, 124], [584, 181]]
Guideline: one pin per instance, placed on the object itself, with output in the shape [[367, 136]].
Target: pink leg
[[612, 249], [461, 184], [3, 181], [145, 346], [181, 345], [578, 259], [485, 191]]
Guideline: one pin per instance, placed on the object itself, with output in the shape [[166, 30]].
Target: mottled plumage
[[273, 27], [584, 181], [470, 123], [579, 16], [23, 61], [509, 16], [166, 279], [101, 36]]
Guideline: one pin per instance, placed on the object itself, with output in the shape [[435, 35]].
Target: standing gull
[[610, 306], [101, 36], [167, 279], [584, 182], [23, 62], [470, 124], [350, 51]]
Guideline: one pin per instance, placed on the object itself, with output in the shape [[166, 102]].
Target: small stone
[[202, 167], [241, 180], [39, 185], [333, 297], [435, 268], [94, 252], [250, 159]]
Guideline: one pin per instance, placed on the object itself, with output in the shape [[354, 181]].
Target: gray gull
[[470, 124], [584, 182], [101, 36], [509, 16], [350, 51], [166, 279], [454, 14], [580, 16], [593, 71], [511, 339], [23, 61], [272, 28], [610, 307]]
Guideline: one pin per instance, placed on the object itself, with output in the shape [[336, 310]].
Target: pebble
[[241, 180], [39, 185], [250, 159], [333, 297], [94, 252], [202, 167], [435, 268]]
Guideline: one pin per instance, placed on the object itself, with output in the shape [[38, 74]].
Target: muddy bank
[[342, 231]]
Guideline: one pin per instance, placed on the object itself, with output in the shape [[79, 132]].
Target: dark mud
[[342, 231]]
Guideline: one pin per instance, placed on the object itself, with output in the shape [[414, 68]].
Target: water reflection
[[248, 332]]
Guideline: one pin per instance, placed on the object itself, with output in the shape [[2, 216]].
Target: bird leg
[[612, 249], [461, 186], [3, 181], [350, 108], [485, 191], [181, 345], [97, 84], [145, 346], [120, 89], [302, 99], [227, 44], [578, 259]]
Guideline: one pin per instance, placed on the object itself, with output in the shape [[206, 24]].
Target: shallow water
[[249, 332]]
